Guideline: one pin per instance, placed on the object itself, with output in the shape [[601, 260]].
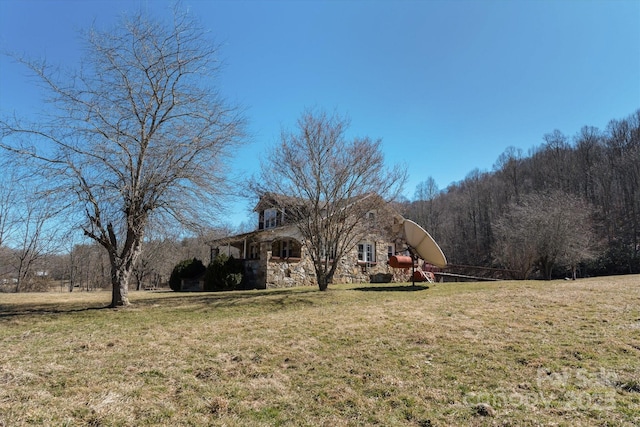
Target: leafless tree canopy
[[137, 134], [544, 230], [426, 211], [330, 182], [28, 231]]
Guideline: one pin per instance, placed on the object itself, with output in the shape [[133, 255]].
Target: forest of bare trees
[[569, 206]]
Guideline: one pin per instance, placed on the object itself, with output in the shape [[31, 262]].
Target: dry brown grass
[[507, 353]]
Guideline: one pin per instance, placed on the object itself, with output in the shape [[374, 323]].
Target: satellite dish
[[423, 244]]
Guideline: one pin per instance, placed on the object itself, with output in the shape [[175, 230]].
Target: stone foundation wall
[[284, 273], [287, 273]]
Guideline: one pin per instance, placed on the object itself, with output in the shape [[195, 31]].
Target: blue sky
[[446, 85]]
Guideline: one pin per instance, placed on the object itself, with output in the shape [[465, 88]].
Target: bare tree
[[7, 202], [330, 184], [89, 267], [37, 235], [556, 159], [623, 145], [137, 135], [425, 212], [8, 221], [544, 231], [509, 168], [9, 198], [28, 231], [588, 152]]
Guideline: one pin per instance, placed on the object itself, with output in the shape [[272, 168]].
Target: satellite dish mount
[[421, 244]]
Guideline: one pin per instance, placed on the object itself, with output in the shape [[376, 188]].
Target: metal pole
[[413, 267]]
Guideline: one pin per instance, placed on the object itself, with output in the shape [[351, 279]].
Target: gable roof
[[274, 200]]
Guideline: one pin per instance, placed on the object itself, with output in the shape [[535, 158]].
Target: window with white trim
[[367, 252], [270, 218]]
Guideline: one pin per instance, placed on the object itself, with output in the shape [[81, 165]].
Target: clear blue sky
[[447, 85]]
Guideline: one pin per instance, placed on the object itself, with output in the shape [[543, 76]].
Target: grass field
[[480, 354]]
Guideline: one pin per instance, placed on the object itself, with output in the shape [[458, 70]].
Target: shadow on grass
[[405, 288], [8, 311], [242, 298], [257, 299], [275, 298]]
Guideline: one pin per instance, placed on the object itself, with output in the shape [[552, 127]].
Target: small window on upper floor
[[270, 218], [370, 219]]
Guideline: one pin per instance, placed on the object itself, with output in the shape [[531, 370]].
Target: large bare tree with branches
[[329, 183], [138, 134], [543, 231]]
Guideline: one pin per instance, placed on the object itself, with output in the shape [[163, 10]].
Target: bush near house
[[187, 269], [223, 274]]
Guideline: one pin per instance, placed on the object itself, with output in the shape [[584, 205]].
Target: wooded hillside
[[570, 203]]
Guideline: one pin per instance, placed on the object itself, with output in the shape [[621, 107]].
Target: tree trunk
[[122, 264], [120, 276], [546, 266], [323, 284], [121, 273], [323, 281], [324, 273]]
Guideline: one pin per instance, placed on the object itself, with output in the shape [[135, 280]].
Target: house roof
[[285, 231], [273, 200], [231, 239]]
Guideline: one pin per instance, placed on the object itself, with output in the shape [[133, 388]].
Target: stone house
[[274, 256]]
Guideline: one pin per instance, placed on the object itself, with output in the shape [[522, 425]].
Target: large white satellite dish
[[423, 244]]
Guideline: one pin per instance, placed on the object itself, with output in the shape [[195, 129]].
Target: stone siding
[[283, 273]]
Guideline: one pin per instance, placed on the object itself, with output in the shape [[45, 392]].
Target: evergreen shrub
[[223, 274], [187, 269]]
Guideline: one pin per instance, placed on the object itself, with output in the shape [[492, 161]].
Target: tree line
[[86, 266], [570, 206]]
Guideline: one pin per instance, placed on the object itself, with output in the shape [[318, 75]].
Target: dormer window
[[270, 218]]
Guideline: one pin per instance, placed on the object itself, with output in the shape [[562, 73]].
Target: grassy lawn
[[504, 353]]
